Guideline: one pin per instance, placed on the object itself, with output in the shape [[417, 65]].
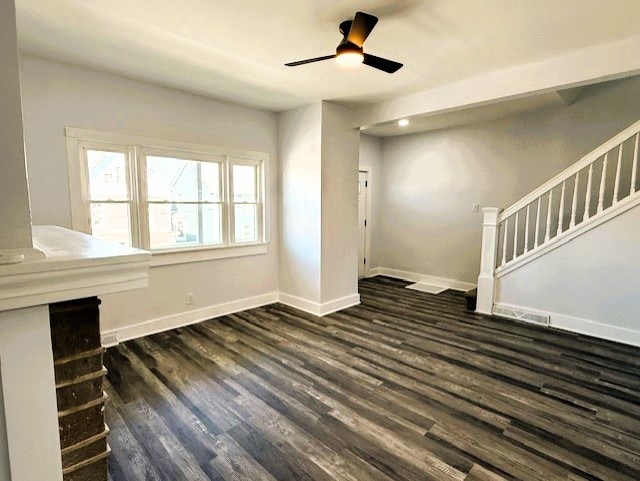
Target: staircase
[[600, 186]]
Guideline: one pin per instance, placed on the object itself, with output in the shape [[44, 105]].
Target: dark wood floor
[[406, 386]]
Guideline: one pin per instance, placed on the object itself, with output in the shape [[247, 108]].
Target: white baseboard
[[584, 326], [112, 337], [153, 326], [426, 278], [375, 271], [316, 308]]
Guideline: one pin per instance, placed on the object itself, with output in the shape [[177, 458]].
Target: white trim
[[367, 230], [339, 304], [169, 257], [74, 265], [488, 253], [375, 271], [153, 142], [299, 303], [454, 284], [316, 308], [584, 326], [113, 336], [594, 221], [566, 174], [136, 148], [28, 413]]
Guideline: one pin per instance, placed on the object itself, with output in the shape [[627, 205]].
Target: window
[[166, 196]]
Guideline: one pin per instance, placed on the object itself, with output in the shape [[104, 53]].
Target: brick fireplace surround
[[51, 409]]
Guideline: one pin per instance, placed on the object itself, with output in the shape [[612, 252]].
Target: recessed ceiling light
[[403, 122]]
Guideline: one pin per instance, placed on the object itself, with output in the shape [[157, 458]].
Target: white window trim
[[136, 147]]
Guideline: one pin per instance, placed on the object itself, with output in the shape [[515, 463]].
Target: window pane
[[111, 222], [244, 183], [175, 225], [107, 175], [245, 223], [177, 180]]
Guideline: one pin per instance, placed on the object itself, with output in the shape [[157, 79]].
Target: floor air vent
[[520, 315]]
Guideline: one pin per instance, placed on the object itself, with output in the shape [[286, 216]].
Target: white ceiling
[[484, 113], [235, 49]]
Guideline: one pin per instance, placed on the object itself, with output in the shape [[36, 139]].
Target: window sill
[[198, 254]]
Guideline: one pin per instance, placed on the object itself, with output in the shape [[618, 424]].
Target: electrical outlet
[[189, 298]]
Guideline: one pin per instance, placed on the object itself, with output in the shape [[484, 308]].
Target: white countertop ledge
[[70, 265]]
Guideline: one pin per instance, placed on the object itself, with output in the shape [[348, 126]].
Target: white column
[[319, 207], [28, 413], [486, 279], [15, 212]]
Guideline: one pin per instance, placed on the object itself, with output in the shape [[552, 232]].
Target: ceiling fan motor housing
[[345, 48]]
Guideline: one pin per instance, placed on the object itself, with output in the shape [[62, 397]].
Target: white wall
[[371, 156], [590, 284], [430, 181], [300, 142], [340, 156], [56, 95]]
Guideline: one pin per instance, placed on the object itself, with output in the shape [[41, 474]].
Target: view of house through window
[[109, 196], [245, 198], [185, 202], [156, 201]]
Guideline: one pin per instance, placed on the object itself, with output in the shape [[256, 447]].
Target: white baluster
[[515, 238], [561, 210], [574, 202], [616, 189], [526, 232], [603, 181], [504, 242], [634, 170], [587, 197], [547, 234], [535, 242]]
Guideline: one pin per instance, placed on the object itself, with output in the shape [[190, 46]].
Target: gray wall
[[300, 144], [430, 181], [339, 203], [319, 178]]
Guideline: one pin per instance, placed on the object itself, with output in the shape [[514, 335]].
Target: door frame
[[367, 230]]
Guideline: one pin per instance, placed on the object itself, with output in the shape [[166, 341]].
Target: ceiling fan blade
[[309, 60], [380, 63], [361, 27]]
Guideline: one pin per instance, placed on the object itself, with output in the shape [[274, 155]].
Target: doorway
[[364, 224]]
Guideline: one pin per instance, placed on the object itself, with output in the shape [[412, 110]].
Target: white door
[[363, 185]]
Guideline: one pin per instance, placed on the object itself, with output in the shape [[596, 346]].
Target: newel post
[[486, 279]]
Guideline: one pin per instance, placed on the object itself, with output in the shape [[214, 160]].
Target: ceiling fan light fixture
[[349, 52], [350, 59], [349, 56]]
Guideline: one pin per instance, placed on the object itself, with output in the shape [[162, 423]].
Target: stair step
[[471, 297]]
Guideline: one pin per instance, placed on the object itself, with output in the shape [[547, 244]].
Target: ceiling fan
[[350, 52]]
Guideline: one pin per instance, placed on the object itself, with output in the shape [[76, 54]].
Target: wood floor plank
[[406, 386]]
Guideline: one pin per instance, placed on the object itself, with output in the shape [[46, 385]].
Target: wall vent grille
[[520, 315]]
